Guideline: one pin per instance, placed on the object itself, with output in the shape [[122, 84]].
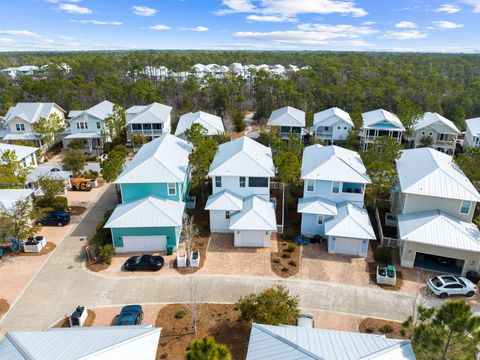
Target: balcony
[[324, 135], [445, 143]]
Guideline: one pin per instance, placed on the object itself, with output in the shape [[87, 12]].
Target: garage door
[[249, 238], [439, 263], [143, 244], [347, 246]]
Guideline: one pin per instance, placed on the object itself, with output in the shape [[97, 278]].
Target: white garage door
[[347, 246], [143, 244], [250, 239]]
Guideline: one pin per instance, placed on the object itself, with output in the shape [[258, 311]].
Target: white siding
[[244, 238], [218, 221], [232, 183], [415, 203], [89, 120], [13, 126]]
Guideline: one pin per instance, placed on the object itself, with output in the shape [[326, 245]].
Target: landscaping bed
[[372, 270], [199, 244], [391, 329], [4, 306], [49, 247], [65, 323], [76, 210], [96, 265], [222, 321], [286, 261]]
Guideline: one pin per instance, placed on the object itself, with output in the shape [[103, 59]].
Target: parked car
[[449, 285], [305, 320], [144, 263], [130, 315], [55, 218]]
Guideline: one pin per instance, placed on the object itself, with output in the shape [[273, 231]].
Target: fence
[[384, 240]]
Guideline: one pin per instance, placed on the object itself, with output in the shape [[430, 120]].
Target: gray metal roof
[[31, 112]]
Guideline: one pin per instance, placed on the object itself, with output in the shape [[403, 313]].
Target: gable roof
[[212, 123], [147, 212], [162, 160], [256, 214], [78, 343], [474, 126], [8, 197], [53, 172], [154, 113], [317, 205], [99, 111], [439, 229], [225, 201], [20, 151], [434, 120], [374, 117], [333, 163], [242, 157], [351, 222], [287, 116], [31, 112], [438, 175], [283, 342], [331, 116]]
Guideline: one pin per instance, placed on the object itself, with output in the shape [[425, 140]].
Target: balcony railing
[[446, 143], [147, 131], [324, 135]]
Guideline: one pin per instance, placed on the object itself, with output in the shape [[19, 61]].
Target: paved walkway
[[63, 284]]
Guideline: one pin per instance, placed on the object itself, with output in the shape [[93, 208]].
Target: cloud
[[144, 10], [446, 25], [270, 18], [159, 27], [404, 35], [6, 41], [97, 22], [196, 28], [474, 3], [406, 25], [62, 1], [448, 9], [65, 38], [248, 46], [236, 6], [19, 33], [74, 9], [368, 23]]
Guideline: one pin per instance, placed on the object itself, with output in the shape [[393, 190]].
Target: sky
[[358, 25]]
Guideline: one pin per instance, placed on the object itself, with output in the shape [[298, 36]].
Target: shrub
[[382, 254], [386, 329], [106, 253], [286, 256], [288, 235], [284, 269], [369, 330], [276, 260], [291, 247], [292, 263], [180, 314], [207, 348], [57, 203]]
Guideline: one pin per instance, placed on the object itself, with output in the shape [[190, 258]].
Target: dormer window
[[465, 207], [310, 185], [172, 189], [20, 127], [218, 181]]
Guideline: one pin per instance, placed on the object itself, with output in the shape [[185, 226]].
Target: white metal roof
[[212, 123], [99, 111], [256, 214], [162, 160], [8, 197], [474, 126], [283, 342], [287, 116], [154, 113], [331, 116], [82, 343], [438, 228], [437, 122], [350, 222], [147, 212], [372, 118], [20, 151], [225, 201], [317, 205], [84, 135], [53, 172], [31, 112], [242, 157], [425, 171], [21, 136], [333, 163]]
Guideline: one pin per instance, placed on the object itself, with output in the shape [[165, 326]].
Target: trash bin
[[473, 276], [169, 249]]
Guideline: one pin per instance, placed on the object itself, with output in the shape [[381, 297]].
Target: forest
[[356, 82]]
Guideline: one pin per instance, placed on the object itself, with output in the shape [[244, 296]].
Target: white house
[[52, 172], [212, 123], [24, 70], [88, 125], [380, 123], [25, 154], [8, 197], [332, 204], [78, 343], [240, 200], [151, 120], [20, 118], [435, 203], [269, 342], [332, 125], [290, 121], [472, 135], [443, 133]]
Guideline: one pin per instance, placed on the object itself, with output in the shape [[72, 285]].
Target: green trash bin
[[169, 249]]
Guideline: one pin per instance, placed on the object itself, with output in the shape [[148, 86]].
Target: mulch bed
[[285, 263], [4, 306], [65, 323], [222, 321], [198, 244], [372, 270], [391, 329], [49, 247], [96, 265], [77, 210]]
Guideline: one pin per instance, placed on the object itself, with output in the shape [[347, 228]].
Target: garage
[[437, 263], [245, 238], [347, 246], [143, 244]]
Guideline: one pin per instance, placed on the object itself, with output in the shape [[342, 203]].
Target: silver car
[[451, 285]]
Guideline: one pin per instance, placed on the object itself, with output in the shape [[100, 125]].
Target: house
[[472, 135], [24, 70], [20, 119], [78, 343], [332, 204], [436, 131], [435, 204], [151, 120], [25, 154], [289, 120], [380, 123], [332, 125], [88, 126], [8, 197], [153, 188], [282, 342], [212, 123], [240, 201], [52, 172]]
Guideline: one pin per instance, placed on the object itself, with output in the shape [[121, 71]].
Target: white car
[[448, 285]]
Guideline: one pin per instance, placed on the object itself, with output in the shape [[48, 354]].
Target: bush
[[284, 269], [106, 253], [288, 235], [291, 247], [383, 255], [286, 256], [207, 348], [57, 203], [369, 330], [102, 236], [180, 314], [292, 263], [386, 329], [276, 260]]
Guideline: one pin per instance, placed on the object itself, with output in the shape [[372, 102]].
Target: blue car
[[55, 218], [130, 315]]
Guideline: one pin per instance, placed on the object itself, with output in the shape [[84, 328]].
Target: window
[[310, 185], [242, 181], [296, 130], [285, 129], [338, 128], [98, 125], [136, 126], [147, 126], [258, 182], [423, 132], [157, 126], [82, 125], [172, 189], [326, 128], [320, 220], [227, 214], [218, 181], [336, 187], [345, 128], [465, 207], [20, 127]]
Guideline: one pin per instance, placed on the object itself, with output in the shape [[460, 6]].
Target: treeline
[[356, 82]]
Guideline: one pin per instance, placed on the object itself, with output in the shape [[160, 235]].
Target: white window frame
[[218, 181], [20, 127], [313, 185], [99, 126], [244, 181], [339, 187], [320, 220], [170, 188], [462, 206]]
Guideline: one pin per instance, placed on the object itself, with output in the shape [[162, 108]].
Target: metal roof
[[350, 222], [292, 342], [372, 118], [21, 136], [20, 151], [331, 116], [242, 157], [155, 113], [53, 172], [333, 163], [212, 123], [147, 212], [99, 111], [256, 214], [436, 121], [287, 116], [162, 160], [84, 135], [474, 126], [224, 201], [8, 197], [31, 112], [439, 229], [437, 175], [317, 205]]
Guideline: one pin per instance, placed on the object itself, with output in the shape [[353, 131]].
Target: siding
[[218, 222], [309, 225], [132, 192], [172, 234], [324, 188], [415, 203], [232, 183], [91, 123]]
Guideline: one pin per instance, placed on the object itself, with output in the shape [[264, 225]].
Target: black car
[[144, 263], [55, 218], [130, 315]]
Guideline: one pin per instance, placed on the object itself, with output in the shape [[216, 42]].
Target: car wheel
[[470, 294], [442, 295]]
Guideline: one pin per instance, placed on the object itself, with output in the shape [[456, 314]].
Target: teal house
[[153, 187]]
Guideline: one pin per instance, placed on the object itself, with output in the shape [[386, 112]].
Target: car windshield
[[146, 258], [461, 282], [437, 282]]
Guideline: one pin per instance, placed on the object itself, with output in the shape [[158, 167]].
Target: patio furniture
[[386, 275], [301, 240]]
